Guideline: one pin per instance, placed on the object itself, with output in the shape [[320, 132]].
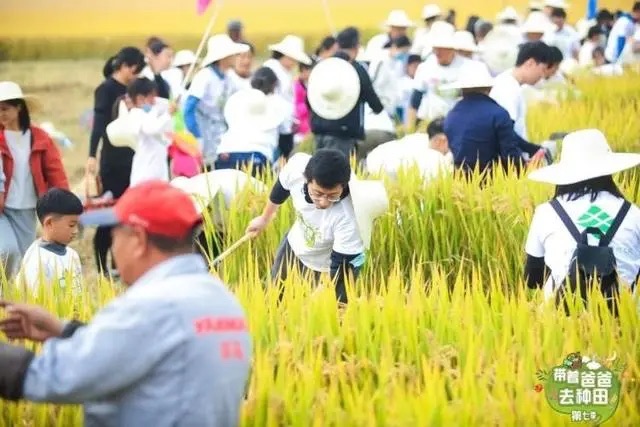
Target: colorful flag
[[202, 5]]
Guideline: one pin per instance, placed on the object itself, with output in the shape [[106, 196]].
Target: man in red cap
[[172, 350]]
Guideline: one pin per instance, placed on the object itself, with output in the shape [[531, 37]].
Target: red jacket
[[45, 162]]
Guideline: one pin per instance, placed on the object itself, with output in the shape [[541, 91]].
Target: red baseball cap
[[154, 205]]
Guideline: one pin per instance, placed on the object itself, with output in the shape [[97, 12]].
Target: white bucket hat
[[479, 78], [558, 4], [536, 5], [123, 131], [252, 109], [585, 155], [11, 90], [221, 46], [431, 11], [508, 13], [464, 41], [184, 57], [398, 18], [536, 22], [443, 41], [499, 50], [293, 47], [370, 200], [333, 88]]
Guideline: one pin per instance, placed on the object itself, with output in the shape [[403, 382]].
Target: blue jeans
[[243, 160]]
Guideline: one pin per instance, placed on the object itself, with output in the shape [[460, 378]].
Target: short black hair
[[265, 80], [594, 31], [483, 29], [636, 7], [128, 56], [558, 13], [277, 55], [349, 38], [58, 202], [402, 41], [555, 55], [24, 118], [156, 45], [326, 44], [591, 187], [328, 168], [538, 51], [413, 58], [435, 127], [604, 15], [141, 86]]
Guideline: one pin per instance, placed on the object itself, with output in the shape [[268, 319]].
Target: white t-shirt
[[375, 46], [608, 70], [55, 264], [284, 89], [585, 57], [318, 232], [386, 74], [567, 40], [238, 82], [173, 76], [624, 27], [549, 238], [22, 190], [412, 150], [150, 160], [508, 93]]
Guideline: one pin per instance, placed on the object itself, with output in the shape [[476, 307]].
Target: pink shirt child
[[302, 110]]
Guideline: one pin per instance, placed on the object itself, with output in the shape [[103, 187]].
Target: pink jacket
[[302, 110]]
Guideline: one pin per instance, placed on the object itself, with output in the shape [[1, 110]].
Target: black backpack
[[591, 264]]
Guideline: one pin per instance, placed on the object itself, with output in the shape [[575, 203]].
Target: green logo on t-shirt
[[596, 218], [310, 232]]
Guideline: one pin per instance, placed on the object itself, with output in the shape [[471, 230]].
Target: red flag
[[202, 5]]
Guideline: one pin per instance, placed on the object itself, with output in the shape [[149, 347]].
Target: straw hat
[[499, 50], [508, 13], [293, 47], [398, 18], [123, 131], [558, 4], [479, 78], [431, 11], [251, 108], [464, 41], [370, 200], [221, 46], [333, 89], [11, 90], [585, 155], [184, 57], [536, 22]]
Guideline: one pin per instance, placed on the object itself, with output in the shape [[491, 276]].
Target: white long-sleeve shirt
[[284, 90]]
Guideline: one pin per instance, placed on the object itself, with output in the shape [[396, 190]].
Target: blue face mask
[[402, 56], [147, 107]]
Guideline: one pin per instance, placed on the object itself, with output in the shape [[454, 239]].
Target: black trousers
[[115, 178]]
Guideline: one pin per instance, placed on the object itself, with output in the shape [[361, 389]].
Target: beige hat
[[184, 57], [398, 18], [221, 46], [508, 13], [479, 78], [370, 200], [333, 89], [499, 50], [585, 155], [431, 11], [251, 108], [536, 5], [293, 47], [536, 22], [11, 90], [558, 4], [465, 41], [124, 130]]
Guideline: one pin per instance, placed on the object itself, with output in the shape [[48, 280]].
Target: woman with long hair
[[30, 165], [115, 162]]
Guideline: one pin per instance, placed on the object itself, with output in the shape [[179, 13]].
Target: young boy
[[49, 261]]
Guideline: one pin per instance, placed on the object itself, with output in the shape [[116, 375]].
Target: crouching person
[[172, 350], [334, 217]]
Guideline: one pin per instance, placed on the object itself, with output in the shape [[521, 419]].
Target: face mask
[[402, 56], [147, 107]]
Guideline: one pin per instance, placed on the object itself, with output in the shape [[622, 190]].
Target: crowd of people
[[469, 88]]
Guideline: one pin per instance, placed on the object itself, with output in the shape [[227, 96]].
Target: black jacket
[[352, 125]]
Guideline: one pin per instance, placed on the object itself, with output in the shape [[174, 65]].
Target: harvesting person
[[588, 223], [49, 260], [339, 87], [173, 349], [30, 165], [143, 122], [115, 162], [334, 215], [208, 93], [397, 24]]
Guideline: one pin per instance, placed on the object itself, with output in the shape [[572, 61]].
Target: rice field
[[440, 329]]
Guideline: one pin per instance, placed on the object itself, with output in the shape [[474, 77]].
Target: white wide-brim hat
[[536, 4], [184, 57], [221, 46], [508, 13], [398, 18], [370, 200], [431, 11], [585, 155], [293, 47], [464, 41], [441, 35], [12, 90], [558, 4], [252, 109], [333, 89], [499, 50], [536, 22], [124, 130], [478, 77]]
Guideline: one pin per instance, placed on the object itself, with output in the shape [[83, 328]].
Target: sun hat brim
[[564, 173], [217, 55], [332, 69], [301, 57]]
